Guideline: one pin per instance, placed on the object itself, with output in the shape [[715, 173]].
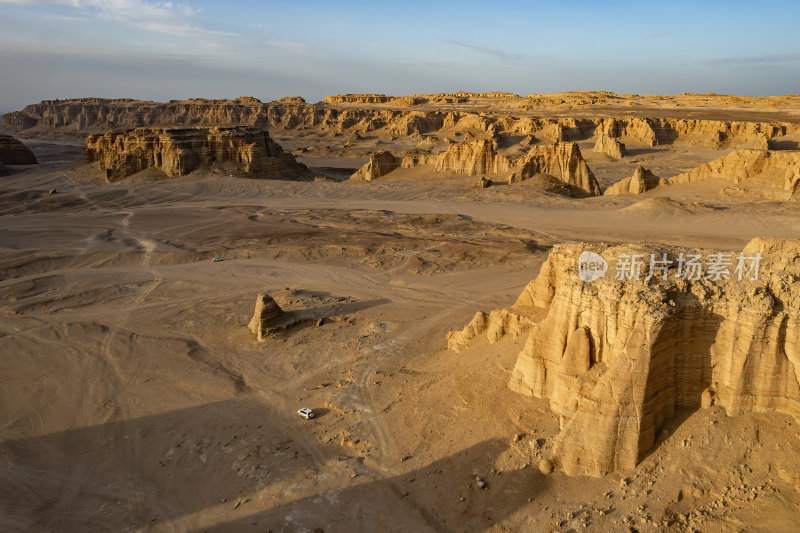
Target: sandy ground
[[135, 398]]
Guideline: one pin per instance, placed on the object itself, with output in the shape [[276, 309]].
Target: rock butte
[[617, 359], [177, 151]]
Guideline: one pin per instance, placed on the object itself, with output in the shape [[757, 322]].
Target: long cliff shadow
[[139, 472], [680, 370], [344, 308], [440, 496], [633, 152], [304, 318]]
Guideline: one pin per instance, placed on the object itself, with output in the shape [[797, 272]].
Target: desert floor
[[135, 398]]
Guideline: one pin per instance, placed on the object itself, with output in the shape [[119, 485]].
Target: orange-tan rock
[[616, 359], [374, 99], [342, 114], [177, 151], [769, 170], [561, 160], [609, 146], [268, 317], [642, 181], [471, 159], [380, 164]]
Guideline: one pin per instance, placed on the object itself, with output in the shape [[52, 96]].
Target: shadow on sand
[[153, 472]]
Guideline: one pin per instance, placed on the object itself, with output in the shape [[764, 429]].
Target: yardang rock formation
[[178, 151], [616, 359], [479, 157], [642, 181]]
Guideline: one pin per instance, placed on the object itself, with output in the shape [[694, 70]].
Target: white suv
[[306, 413]]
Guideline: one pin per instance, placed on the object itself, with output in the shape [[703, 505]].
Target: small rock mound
[[380, 163], [13, 152], [267, 317], [642, 181]]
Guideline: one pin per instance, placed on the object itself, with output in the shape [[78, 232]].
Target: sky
[[170, 50]]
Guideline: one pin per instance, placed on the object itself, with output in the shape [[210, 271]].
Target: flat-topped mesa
[[94, 115], [772, 171], [13, 152], [609, 146], [617, 358], [373, 99], [177, 151], [642, 181], [561, 160], [290, 100], [379, 164]]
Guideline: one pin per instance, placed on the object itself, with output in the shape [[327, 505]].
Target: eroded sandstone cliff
[[766, 168], [177, 151], [479, 157], [342, 114], [617, 358], [471, 159]]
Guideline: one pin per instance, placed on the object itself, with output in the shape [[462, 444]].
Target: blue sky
[[170, 50]]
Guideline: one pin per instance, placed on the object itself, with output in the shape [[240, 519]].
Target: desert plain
[[135, 396]]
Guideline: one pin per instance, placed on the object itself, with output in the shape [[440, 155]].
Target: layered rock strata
[[177, 151], [53, 118], [561, 160], [617, 358], [771, 169], [268, 317]]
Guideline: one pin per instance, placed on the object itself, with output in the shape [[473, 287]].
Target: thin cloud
[[296, 48], [167, 17], [493, 52], [766, 59]]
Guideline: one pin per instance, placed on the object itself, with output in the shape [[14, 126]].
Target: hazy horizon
[[163, 51]]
